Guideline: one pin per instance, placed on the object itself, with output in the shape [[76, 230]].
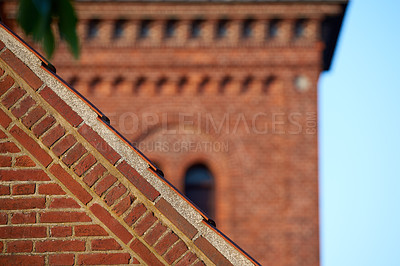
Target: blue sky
[[359, 108]]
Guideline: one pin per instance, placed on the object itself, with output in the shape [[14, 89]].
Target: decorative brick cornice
[[112, 181]]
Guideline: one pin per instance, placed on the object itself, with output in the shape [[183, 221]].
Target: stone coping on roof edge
[[90, 117]]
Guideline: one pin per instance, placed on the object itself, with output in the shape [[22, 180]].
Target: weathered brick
[[5, 120], [23, 106], [13, 96], [43, 126], [84, 164], [167, 241], [31, 145], [178, 220], [53, 135], [23, 175], [70, 183], [19, 246], [211, 252], [104, 184], [12, 232], [5, 84], [8, 147], [105, 217], [188, 259], [124, 204], [63, 217], [60, 245], [199, 263], [99, 143], [2, 134], [4, 190], [105, 244], [33, 116], [24, 161], [64, 109], [22, 70], [61, 259], [3, 218], [21, 260], [138, 181], [5, 161], [137, 211], [74, 154], [63, 145], [155, 233], [23, 189], [114, 194], [144, 253], [101, 258], [90, 230], [22, 203], [64, 203], [145, 223], [94, 175], [175, 252], [50, 189], [23, 218], [61, 231]]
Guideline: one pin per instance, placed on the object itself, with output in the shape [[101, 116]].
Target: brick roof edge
[[170, 201]]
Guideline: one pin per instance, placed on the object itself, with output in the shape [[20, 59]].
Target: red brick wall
[[265, 157], [67, 197]]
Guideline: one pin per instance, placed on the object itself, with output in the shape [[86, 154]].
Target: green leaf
[[67, 22], [36, 17]]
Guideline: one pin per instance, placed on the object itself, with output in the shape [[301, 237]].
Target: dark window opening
[[93, 29], [139, 84], [246, 84], [144, 29], [299, 28], [195, 28], [94, 84], [267, 84], [119, 28], [247, 28], [117, 83], [160, 85], [273, 28], [222, 28], [202, 85], [73, 81], [170, 28], [224, 84], [199, 188], [182, 84]]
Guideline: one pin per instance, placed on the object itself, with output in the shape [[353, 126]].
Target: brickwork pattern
[[66, 196], [266, 183]]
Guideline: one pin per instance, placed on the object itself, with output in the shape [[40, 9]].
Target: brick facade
[[68, 195], [243, 104]]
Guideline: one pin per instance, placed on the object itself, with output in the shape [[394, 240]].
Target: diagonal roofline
[[166, 198]]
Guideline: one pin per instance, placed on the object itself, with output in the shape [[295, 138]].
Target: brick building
[[222, 96], [73, 191]]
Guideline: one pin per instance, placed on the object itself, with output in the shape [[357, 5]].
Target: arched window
[[119, 28], [199, 188], [202, 85], [299, 28], [273, 28], [93, 29], [195, 28], [247, 28], [222, 28]]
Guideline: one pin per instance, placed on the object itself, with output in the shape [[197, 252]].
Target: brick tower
[[222, 96]]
